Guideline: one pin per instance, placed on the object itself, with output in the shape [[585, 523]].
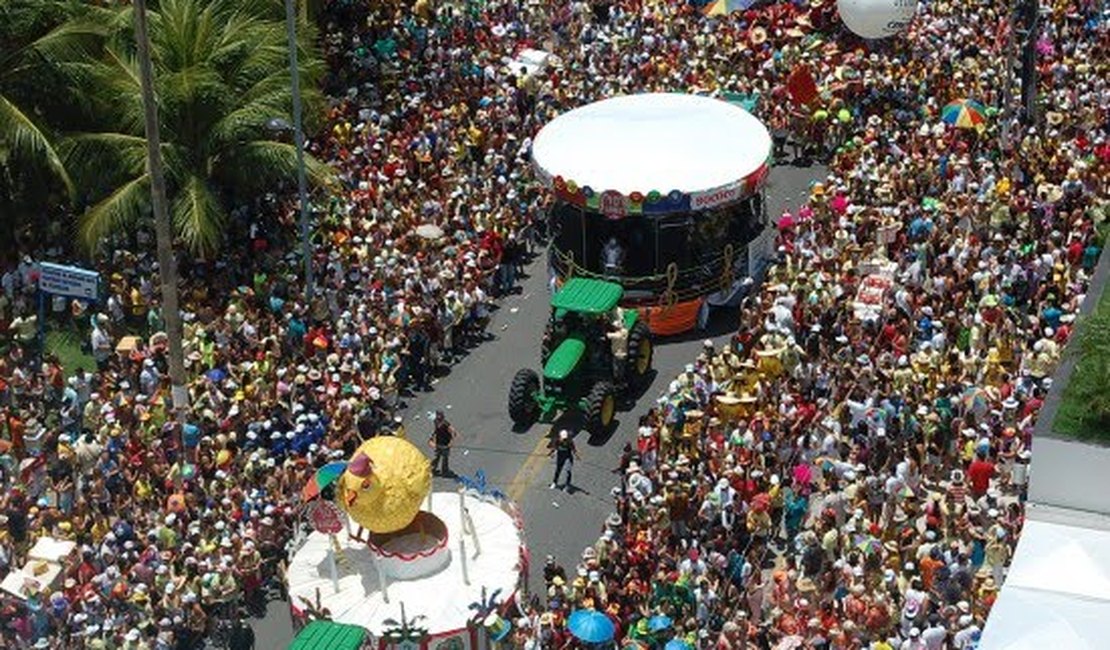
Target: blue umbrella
[[676, 644], [591, 626], [216, 375], [659, 622]]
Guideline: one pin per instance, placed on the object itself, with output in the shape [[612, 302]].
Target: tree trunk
[[167, 264]]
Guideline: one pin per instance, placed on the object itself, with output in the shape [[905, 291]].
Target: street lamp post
[[167, 264], [298, 141], [1032, 25]]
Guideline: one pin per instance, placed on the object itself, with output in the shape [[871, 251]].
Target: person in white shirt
[[934, 636], [968, 634], [101, 342]]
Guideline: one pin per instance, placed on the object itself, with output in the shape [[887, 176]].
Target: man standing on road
[[565, 453], [442, 436]]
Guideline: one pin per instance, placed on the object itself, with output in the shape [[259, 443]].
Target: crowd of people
[[852, 488], [843, 475]]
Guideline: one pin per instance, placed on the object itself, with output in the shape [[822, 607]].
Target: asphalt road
[[473, 396]]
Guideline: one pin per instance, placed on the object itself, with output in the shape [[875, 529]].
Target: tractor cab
[[579, 353]]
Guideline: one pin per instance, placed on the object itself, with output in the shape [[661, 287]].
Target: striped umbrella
[[964, 114], [725, 7], [324, 477]]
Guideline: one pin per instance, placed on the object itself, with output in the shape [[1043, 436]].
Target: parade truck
[[580, 367]]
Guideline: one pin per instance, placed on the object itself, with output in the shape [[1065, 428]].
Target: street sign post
[[68, 281]]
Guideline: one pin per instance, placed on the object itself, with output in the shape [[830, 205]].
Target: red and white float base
[[459, 549]]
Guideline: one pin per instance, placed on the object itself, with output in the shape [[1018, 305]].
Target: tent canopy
[[1057, 592], [661, 142]]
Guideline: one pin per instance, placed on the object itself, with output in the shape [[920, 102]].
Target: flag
[[801, 86]]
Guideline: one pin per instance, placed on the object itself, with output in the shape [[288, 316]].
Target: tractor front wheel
[[601, 406], [523, 408], [640, 353]]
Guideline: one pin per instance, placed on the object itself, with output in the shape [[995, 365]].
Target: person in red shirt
[[979, 475]]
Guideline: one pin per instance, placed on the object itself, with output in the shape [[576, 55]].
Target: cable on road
[[524, 454]]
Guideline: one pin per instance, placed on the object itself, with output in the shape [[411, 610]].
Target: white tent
[[654, 141], [42, 570], [1057, 592]]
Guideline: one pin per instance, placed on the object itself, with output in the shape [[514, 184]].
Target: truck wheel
[[640, 353], [601, 406], [522, 396]]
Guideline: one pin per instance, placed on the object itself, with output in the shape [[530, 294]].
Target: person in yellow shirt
[[474, 139]]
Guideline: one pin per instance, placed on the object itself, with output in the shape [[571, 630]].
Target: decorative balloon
[[876, 18]]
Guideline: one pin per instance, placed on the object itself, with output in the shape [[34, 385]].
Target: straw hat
[[758, 35]]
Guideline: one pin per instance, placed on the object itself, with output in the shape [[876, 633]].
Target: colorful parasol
[[591, 626], [974, 401], [867, 544], [725, 7], [324, 477], [964, 114]]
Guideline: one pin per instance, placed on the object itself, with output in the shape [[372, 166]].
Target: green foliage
[[36, 38], [1085, 408], [221, 73]]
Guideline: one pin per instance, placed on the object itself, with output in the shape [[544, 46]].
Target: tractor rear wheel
[[640, 353], [523, 408], [601, 406]]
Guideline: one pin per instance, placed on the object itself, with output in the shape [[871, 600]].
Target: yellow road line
[[529, 469]]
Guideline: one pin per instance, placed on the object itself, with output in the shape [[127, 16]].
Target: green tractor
[[579, 366]]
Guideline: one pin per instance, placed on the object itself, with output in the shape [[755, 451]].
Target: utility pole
[[298, 141], [1032, 25], [167, 264], [1010, 46]]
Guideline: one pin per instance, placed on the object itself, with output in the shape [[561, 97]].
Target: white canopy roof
[[1057, 592], [658, 141]]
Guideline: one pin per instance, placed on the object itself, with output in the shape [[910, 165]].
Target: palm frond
[[198, 216], [75, 39], [124, 206], [248, 121], [259, 163], [27, 143], [105, 155]]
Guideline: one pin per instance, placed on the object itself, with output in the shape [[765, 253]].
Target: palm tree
[[36, 37], [220, 77]]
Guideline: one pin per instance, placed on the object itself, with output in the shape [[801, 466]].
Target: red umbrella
[[803, 474]]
